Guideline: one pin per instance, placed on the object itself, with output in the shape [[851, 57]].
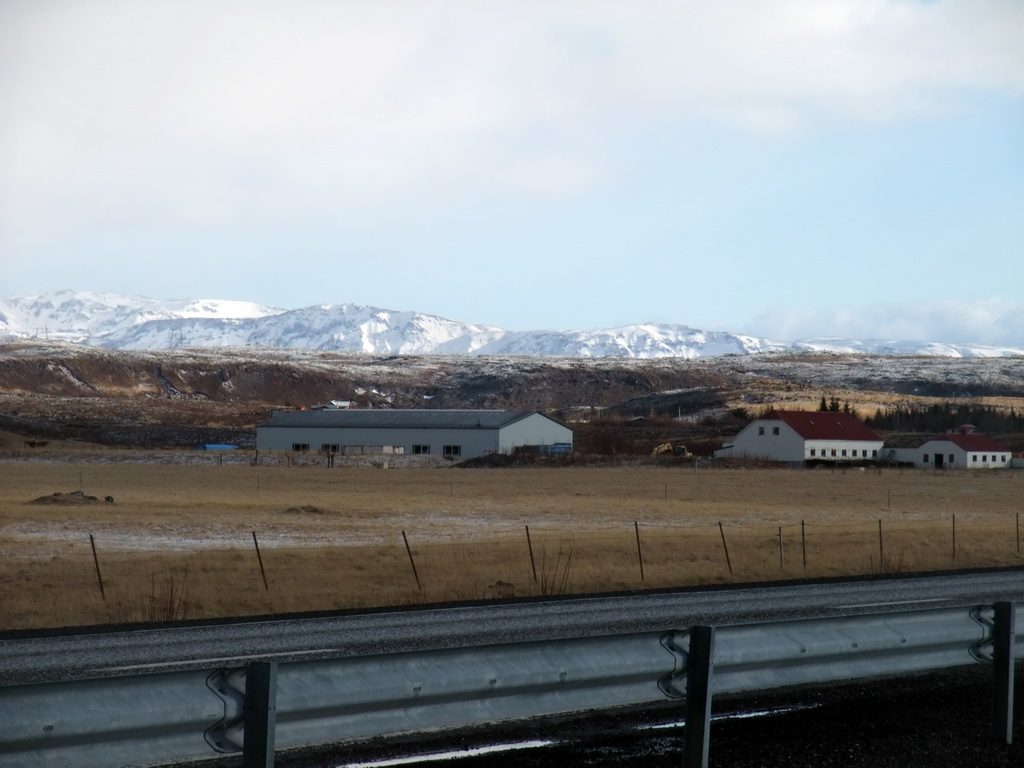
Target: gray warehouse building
[[457, 434]]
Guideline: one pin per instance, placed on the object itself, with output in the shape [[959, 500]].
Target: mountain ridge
[[115, 321]]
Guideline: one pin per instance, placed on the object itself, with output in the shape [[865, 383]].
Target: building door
[[939, 460]]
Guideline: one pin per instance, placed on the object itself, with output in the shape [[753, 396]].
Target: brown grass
[[177, 543]]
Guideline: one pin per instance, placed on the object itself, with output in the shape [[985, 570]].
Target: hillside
[[58, 390]]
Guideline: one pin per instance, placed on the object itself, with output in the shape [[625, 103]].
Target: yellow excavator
[[671, 450]]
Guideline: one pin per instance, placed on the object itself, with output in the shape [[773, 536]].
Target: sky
[[788, 169]]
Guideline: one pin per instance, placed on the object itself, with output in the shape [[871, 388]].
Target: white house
[[799, 436], [965, 449], [453, 433]]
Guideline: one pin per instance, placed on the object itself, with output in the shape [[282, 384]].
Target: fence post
[[725, 546], [803, 543], [412, 562], [639, 552], [881, 549], [260, 714], [954, 537], [1003, 636], [782, 556], [529, 546], [699, 666], [260, 558], [96, 561]]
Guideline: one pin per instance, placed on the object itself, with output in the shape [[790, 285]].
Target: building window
[[925, 460], [300, 447], [775, 430], [974, 458], [844, 452], [420, 449], [984, 458], [329, 448], [833, 451], [760, 430], [874, 454], [952, 459], [453, 450], [812, 451]]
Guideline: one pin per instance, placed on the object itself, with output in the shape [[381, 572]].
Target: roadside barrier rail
[[264, 705]]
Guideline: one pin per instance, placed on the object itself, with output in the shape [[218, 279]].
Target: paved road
[[85, 654]]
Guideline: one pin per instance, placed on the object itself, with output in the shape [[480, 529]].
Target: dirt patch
[[75, 498], [306, 509]]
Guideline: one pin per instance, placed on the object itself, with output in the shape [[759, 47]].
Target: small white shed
[[963, 450]]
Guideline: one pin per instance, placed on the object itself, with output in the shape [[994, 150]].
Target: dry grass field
[[178, 540]]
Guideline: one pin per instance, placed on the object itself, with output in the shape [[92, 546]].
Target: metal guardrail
[[162, 718]]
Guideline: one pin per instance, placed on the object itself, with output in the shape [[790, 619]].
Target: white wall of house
[[842, 450], [766, 439]]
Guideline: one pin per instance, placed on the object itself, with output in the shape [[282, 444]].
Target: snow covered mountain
[[89, 318], [121, 322]]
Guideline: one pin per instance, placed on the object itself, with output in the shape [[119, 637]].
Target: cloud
[[167, 114], [993, 321]]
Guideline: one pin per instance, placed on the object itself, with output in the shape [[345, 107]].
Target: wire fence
[[90, 584]]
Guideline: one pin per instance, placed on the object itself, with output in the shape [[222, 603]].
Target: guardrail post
[[700, 661], [260, 714], [1002, 671]]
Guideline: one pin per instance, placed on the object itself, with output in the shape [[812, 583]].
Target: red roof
[[974, 443], [826, 425]]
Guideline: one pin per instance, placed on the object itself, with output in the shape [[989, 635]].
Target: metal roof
[[973, 443], [398, 419], [826, 425]]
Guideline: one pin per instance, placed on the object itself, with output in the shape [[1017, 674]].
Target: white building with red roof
[[963, 449], [800, 436]]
